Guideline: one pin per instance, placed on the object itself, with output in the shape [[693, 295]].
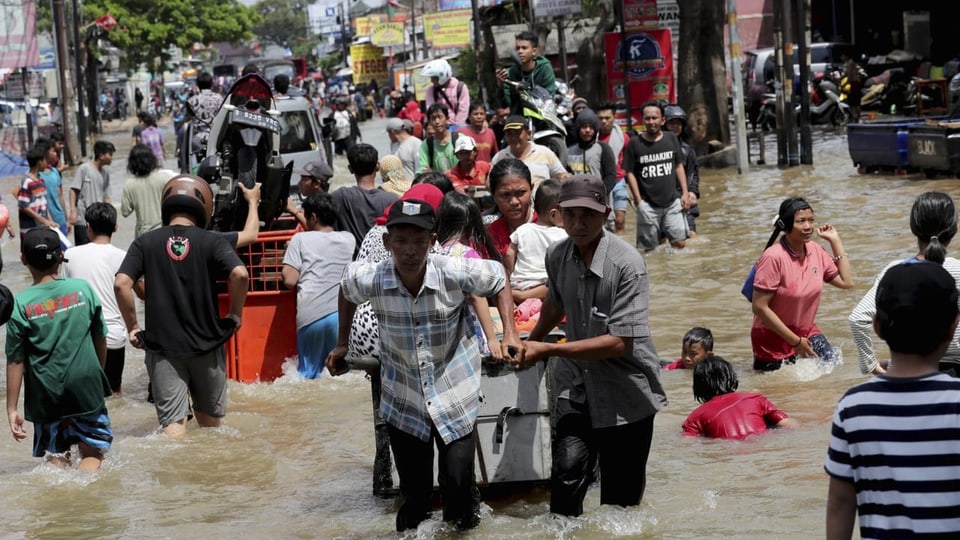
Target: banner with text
[[643, 64], [18, 34], [557, 8], [364, 25], [640, 15], [369, 64], [387, 34], [448, 29], [448, 5]]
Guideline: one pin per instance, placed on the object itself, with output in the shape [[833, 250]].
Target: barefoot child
[[726, 413], [56, 347]]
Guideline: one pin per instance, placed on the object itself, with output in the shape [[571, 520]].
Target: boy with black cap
[[314, 178], [429, 358], [56, 346], [607, 371], [894, 448]]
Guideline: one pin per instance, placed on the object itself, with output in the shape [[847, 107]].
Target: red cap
[[427, 193]]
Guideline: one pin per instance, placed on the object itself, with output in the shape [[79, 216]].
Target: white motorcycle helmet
[[438, 68]]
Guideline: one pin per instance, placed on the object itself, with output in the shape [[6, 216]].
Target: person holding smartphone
[[531, 68]]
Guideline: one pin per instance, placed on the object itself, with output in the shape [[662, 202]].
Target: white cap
[[464, 143]]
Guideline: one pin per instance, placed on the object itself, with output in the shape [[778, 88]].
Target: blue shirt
[[51, 177], [429, 358]]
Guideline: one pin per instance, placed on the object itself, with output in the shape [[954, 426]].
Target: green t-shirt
[[51, 330]]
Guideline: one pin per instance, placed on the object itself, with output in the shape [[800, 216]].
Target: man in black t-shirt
[[360, 205], [184, 335], [654, 166]]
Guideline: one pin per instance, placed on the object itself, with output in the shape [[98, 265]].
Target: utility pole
[[790, 116], [476, 50], [562, 43], [743, 161], [63, 79], [780, 84], [803, 33], [81, 116]]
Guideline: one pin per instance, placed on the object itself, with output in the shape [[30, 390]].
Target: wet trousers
[[621, 452], [458, 485]]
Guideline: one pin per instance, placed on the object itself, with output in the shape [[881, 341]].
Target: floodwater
[[294, 458]]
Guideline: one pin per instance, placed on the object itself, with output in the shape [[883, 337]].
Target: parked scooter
[[539, 106], [826, 106]]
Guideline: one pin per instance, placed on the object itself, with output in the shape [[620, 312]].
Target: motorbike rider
[[532, 67], [201, 110], [447, 90], [676, 121]]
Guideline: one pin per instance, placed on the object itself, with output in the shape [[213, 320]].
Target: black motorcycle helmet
[[190, 194], [674, 112]]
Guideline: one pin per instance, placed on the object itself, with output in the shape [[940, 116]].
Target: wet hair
[[281, 83], [35, 155], [438, 107], [547, 196], [321, 206], [102, 218], [933, 220], [204, 80], [142, 160], [713, 377], [363, 159], [436, 179], [103, 147], [506, 168], [652, 103], [700, 335], [459, 216], [788, 209], [527, 35]]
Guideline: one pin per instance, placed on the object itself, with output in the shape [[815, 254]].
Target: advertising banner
[[387, 34], [18, 34], [644, 65], [364, 25], [640, 15], [557, 8], [369, 64], [448, 5], [448, 29]]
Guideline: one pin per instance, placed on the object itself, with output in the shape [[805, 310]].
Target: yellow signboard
[[448, 29], [364, 25], [369, 64], [387, 34]]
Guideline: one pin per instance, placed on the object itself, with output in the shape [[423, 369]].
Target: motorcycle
[[244, 147], [892, 88], [825, 105], [539, 106]]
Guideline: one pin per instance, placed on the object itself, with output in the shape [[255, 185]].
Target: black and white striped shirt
[[898, 441]]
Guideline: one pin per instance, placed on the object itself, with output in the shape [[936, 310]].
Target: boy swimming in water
[[696, 345]]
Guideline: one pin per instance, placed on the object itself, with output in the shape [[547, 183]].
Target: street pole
[[790, 117], [78, 65], [562, 42], [743, 160], [780, 84], [63, 79], [476, 50], [623, 67], [806, 137]]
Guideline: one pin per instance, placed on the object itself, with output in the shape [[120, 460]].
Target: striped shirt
[[898, 441], [861, 320], [541, 161], [429, 358]]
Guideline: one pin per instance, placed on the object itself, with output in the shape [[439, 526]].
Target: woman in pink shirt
[[787, 287]]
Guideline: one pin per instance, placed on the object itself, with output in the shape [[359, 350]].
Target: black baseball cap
[[516, 121], [316, 169], [41, 248], [412, 212], [583, 191]]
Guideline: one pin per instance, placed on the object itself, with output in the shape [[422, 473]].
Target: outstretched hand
[[828, 232]]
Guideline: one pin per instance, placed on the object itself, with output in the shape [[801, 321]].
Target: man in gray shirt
[[405, 146], [90, 184], [607, 373]]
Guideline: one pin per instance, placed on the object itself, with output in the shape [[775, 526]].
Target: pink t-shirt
[[486, 142], [796, 282]]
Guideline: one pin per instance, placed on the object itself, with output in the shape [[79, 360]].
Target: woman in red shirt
[[512, 187], [726, 413], [787, 287]]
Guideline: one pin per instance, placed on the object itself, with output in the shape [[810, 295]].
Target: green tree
[[284, 22], [146, 29]]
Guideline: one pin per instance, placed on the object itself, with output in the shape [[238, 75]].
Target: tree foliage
[[146, 29], [283, 22]]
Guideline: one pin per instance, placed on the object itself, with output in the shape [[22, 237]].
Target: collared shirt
[[429, 357], [611, 296], [541, 161]]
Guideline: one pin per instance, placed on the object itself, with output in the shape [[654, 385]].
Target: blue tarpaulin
[[11, 165]]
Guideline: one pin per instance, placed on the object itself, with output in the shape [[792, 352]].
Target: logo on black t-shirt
[[178, 247]]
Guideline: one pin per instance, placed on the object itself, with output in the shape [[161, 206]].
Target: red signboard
[[640, 15], [643, 63]]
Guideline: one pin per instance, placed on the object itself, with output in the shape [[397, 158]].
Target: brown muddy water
[[294, 458]]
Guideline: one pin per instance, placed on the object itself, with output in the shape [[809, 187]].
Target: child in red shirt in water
[[726, 413], [697, 344]]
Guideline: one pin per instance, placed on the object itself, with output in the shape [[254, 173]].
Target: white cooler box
[[513, 429]]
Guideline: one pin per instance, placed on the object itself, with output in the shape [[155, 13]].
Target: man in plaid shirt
[[429, 361]]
